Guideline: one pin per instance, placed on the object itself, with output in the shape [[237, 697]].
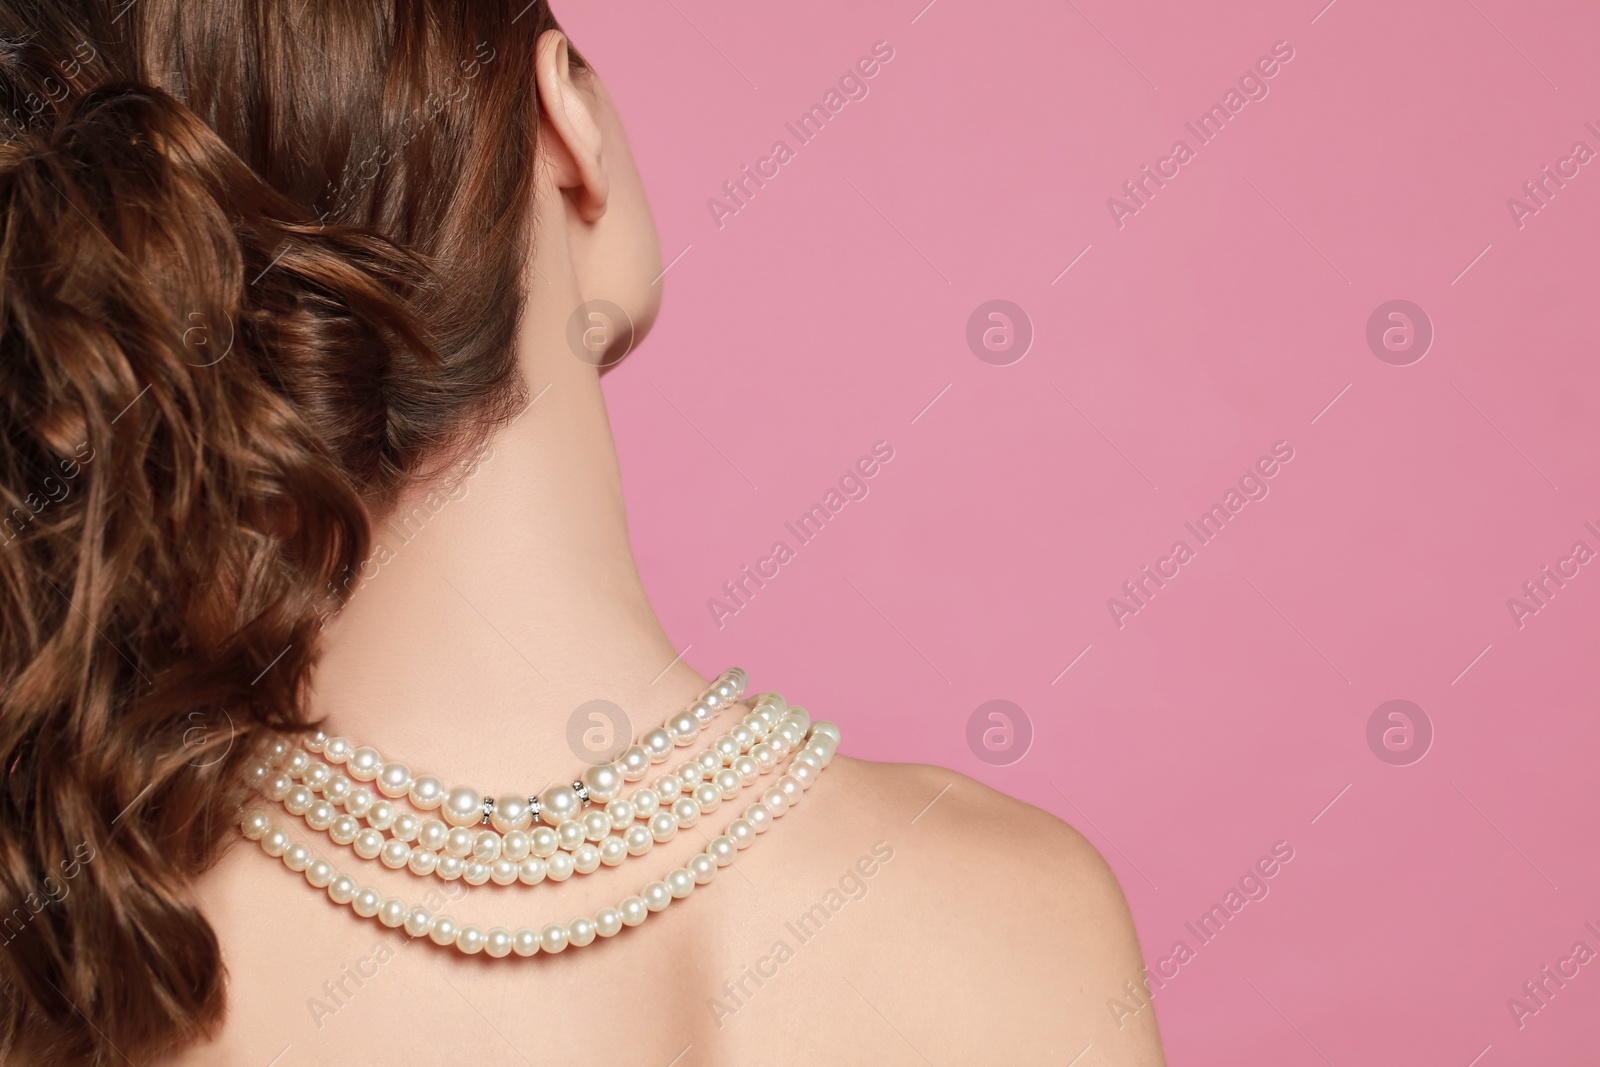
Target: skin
[[993, 932]]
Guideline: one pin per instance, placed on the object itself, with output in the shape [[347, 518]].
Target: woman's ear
[[570, 133]]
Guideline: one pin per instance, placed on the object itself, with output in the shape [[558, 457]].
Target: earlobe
[[570, 133]]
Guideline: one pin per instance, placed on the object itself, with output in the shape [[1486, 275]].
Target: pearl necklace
[[786, 730], [578, 846]]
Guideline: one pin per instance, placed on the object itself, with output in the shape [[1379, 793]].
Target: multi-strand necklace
[[385, 813]]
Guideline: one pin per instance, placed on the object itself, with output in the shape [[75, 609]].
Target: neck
[[496, 603]]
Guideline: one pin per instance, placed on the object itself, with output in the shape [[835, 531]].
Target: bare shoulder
[[988, 902]]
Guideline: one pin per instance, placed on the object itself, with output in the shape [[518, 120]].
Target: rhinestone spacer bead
[[582, 791]]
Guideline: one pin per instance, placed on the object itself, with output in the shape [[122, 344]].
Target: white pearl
[[395, 854], [360, 801], [800, 717], [511, 812], [663, 827], [432, 834], [486, 846], [744, 736], [765, 758], [381, 815], [516, 846], [338, 789], [394, 780], [422, 862], [621, 813], [463, 806], [336, 750], [502, 872], [603, 781], [656, 896], [531, 871], [684, 728], [366, 902], [742, 833], [690, 773], [297, 764], [779, 744], [497, 942], [406, 825], [525, 942], [823, 728], [727, 689], [545, 841], [364, 764], [722, 849], [613, 850], [459, 841], [470, 940], [667, 787], [256, 825], [392, 912], [581, 931], [553, 938], [342, 890], [686, 810], [657, 744], [633, 911], [680, 883], [297, 857], [417, 921], [319, 873], [803, 773], [299, 799], [320, 815], [442, 930], [450, 867], [726, 747], [586, 858], [275, 842], [558, 868], [596, 823], [702, 711], [775, 801], [708, 796], [476, 873], [703, 867], [756, 725], [426, 792], [728, 781], [758, 817], [712, 699], [343, 830], [571, 834], [791, 788], [315, 740], [607, 922], [634, 763], [645, 802], [369, 843], [710, 763], [747, 769], [638, 839], [558, 804], [318, 776], [278, 787]]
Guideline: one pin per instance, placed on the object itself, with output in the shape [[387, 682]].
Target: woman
[[306, 460]]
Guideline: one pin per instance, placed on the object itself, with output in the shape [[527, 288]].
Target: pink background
[[1225, 316]]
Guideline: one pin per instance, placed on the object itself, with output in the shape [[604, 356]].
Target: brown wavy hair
[[260, 266]]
